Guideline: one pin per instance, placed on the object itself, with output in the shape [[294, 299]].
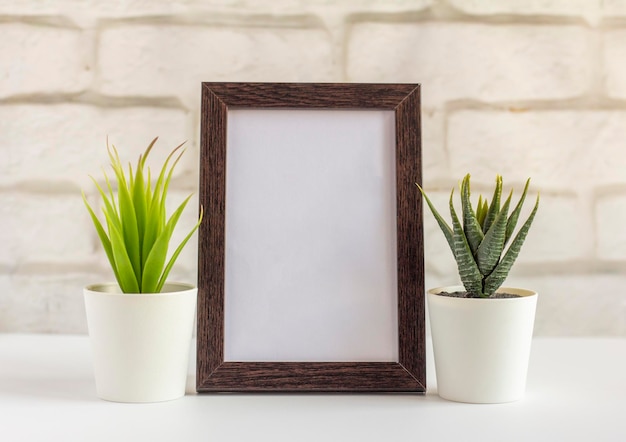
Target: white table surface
[[576, 392]]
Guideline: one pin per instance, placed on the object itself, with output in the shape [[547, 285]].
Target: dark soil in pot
[[464, 294]]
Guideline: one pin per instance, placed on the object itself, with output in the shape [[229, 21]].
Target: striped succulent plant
[[137, 234], [479, 243]]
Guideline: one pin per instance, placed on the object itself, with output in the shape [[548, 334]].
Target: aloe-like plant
[[478, 245], [138, 233]]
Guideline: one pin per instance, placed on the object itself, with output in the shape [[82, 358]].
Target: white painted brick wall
[[566, 150], [153, 64], [147, 8], [521, 88], [474, 61], [67, 142], [611, 226], [42, 227], [590, 9], [614, 56], [42, 59], [44, 303], [434, 156], [583, 304]]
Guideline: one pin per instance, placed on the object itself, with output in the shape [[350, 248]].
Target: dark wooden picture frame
[[408, 374]]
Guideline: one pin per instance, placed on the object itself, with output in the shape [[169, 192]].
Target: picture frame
[[226, 110]]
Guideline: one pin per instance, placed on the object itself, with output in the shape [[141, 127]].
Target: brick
[[67, 142], [40, 59], [615, 70], [147, 7], [558, 149], [577, 305], [351, 5], [434, 159], [561, 231], [473, 61], [614, 8], [148, 60], [44, 228], [590, 9], [610, 216], [82, 8], [313, 6], [43, 303], [318, 6]]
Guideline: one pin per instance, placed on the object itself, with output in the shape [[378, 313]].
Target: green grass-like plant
[[137, 234], [478, 244]]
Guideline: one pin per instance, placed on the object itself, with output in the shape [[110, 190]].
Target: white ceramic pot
[[481, 346], [140, 342]]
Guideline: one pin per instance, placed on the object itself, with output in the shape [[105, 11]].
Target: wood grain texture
[[215, 375], [211, 246], [410, 238], [311, 95], [311, 376]]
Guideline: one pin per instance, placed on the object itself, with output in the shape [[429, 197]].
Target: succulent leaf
[[492, 246], [494, 208], [111, 194], [443, 225], [138, 194], [104, 238], [137, 233], [510, 227], [471, 226], [144, 157], [180, 247], [497, 277], [127, 279], [158, 254], [468, 270], [109, 205], [128, 219], [480, 213], [483, 271], [485, 209]]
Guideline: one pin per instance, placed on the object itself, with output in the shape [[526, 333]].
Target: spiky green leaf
[[127, 280], [144, 157], [138, 193], [443, 225], [156, 206], [512, 222], [180, 247], [494, 207], [138, 231], [130, 232], [166, 184], [111, 197], [104, 238], [491, 248], [497, 277], [471, 226], [109, 204], [156, 259], [468, 270], [480, 213]]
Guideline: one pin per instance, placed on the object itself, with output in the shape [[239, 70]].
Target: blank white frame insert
[[310, 236]]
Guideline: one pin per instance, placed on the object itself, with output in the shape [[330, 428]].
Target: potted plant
[[482, 332], [140, 326]]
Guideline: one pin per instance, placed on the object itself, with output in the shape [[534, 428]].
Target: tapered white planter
[[481, 346], [140, 342]]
